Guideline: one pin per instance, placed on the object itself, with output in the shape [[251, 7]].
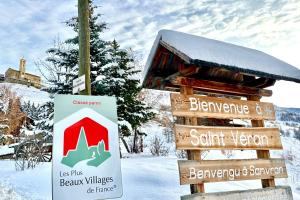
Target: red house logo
[[85, 140]]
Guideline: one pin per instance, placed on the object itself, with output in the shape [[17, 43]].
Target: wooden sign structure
[[209, 137], [204, 171], [203, 106], [180, 62], [194, 138]]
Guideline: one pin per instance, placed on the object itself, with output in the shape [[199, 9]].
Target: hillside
[[28, 93]]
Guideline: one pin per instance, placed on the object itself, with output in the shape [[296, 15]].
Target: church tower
[[22, 67]]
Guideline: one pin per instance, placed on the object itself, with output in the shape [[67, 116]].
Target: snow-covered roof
[[195, 49]]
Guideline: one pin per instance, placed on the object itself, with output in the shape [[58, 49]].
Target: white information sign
[[86, 157], [79, 84]]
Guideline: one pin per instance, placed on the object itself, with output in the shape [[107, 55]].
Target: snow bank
[[29, 93], [28, 184], [4, 150], [8, 193], [144, 178]]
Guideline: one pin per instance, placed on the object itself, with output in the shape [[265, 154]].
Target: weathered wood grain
[[218, 87], [192, 172], [264, 154], [224, 108], [209, 137], [192, 154]]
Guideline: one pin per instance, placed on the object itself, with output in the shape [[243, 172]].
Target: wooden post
[[84, 44], [265, 154], [192, 154]]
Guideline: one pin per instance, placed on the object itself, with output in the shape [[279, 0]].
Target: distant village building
[[21, 77]]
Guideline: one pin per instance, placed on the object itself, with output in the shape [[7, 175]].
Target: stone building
[[21, 77]]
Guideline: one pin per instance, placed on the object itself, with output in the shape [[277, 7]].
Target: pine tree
[[39, 118], [62, 61], [112, 72], [135, 112], [31, 113], [45, 117], [98, 47], [31, 110], [61, 66], [34, 111], [118, 80]]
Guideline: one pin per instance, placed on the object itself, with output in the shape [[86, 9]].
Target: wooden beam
[[187, 71], [209, 171], [218, 87], [220, 108], [183, 56], [264, 154], [154, 82], [212, 137], [84, 67], [192, 154], [261, 82]]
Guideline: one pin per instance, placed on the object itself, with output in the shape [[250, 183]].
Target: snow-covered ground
[[28, 93], [4, 150], [144, 178]]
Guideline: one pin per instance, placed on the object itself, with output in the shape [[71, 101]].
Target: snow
[[2, 126], [125, 123], [143, 177], [28, 184], [4, 150], [118, 79], [4, 100], [209, 50], [8, 193], [100, 78], [146, 177], [29, 132], [28, 93], [110, 65]]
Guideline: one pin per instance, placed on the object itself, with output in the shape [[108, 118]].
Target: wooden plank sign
[[205, 137], [282, 193], [193, 172], [212, 107]]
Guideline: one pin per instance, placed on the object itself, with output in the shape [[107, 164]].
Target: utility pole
[[84, 44]]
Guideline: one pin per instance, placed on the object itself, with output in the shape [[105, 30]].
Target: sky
[[29, 27]]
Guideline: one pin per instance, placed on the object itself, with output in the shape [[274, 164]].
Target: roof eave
[[244, 71]]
